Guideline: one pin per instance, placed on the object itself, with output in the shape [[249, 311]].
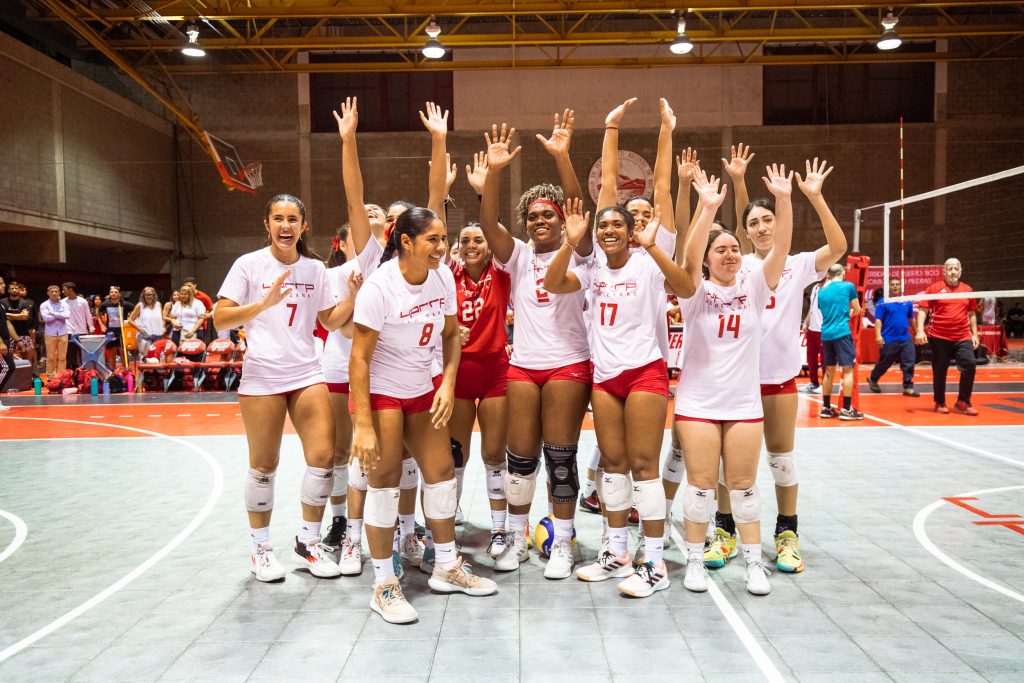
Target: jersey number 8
[[428, 331]]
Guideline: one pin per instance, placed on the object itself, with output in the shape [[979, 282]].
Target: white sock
[[355, 530], [617, 540], [382, 569], [518, 523], [498, 520], [695, 551], [551, 509], [407, 524], [446, 556], [460, 474], [339, 509], [668, 509], [261, 535], [654, 549], [563, 528], [751, 551], [309, 532], [589, 486]]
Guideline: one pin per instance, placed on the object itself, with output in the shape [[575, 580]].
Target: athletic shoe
[[850, 414], [696, 578], [720, 549], [460, 518], [427, 563], [351, 560], [828, 411], [646, 581], [634, 516], [411, 550], [336, 533], [757, 578], [911, 391], [508, 561], [811, 389], [787, 549], [607, 567], [639, 557], [396, 564], [315, 558], [964, 408], [873, 385], [590, 503], [560, 562], [941, 409], [498, 544], [389, 602], [520, 545], [265, 566], [460, 579], [421, 531]]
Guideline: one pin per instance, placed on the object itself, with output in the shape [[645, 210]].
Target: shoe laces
[[264, 554], [561, 547], [391, 593], [605, 559], [646, 572], [410, 543], [759, 564], [499, 537], [697, 562]]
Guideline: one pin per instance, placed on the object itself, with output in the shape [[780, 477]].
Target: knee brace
[[521, 481], [410, 475], [649, 499], [457, 455], [746, 505], [381, 507], [560, 462], [340, 481], [783, 467], [496, 482], [259, 491], [674, 468], [440, 499], [317, 483], [697, 504], [357, 476], [616, 490]]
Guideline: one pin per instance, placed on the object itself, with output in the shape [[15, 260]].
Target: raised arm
[[558, 147], [436, 124], [498, 157], [663, 167], [558, 279], [686, 168], [609, 195], [736, 167], [781, 186], [835, 240], [697, 240], [351, 175]]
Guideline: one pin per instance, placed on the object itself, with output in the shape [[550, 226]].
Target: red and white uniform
[[781, 357], [409, 319], [338, 347], [718, 379], [483, 367], [280, 355]]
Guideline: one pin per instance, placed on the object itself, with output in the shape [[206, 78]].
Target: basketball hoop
[[254, 173]]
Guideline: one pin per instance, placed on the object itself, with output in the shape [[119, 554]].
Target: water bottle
[[37, 386], [131, 383], [94, 386], [106, 387]]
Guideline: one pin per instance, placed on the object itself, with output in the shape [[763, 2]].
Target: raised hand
[[708, 191], [777, 182], [646, 237], [348, 120], [498, 144], [451, 172], [740, 156], [434, 121], [274, 294], [687, 165], [615, 115], [576, 222], [477, 174], [668, 117], [816, 174], [561, 134], [355, 281]]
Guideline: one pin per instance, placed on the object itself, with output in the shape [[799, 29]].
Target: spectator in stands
[[148, 319], [205, 299], [187, 315], [79, 323], [97, 326], [6, 352], [21, 314], [892, 332], [55, 315], [168, 322], [1015, 321], [114, 310], [838, 301]]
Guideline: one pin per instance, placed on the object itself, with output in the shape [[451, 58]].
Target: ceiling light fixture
[[890, 40], [433, 49], [681, 45], [192, 48]]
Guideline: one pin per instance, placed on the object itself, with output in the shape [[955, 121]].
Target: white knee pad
[[746, 505], [259, 491], [598, 476], [340, 481], [317, 483], [357, 476], [595, 458], [674, 468], [440, 499], [381, 507], [496, 482], [783, 466], [410, 475], [617, 491], [697, 504], [649, 499], [521, 480]]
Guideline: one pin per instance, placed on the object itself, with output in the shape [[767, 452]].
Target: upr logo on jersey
[[738, 303], [617, 290], [301, 290], [432, 308]]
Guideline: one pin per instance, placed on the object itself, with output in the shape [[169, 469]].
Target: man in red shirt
[[952, 334]]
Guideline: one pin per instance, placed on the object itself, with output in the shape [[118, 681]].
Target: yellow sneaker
[[721, 549], [787, 546]]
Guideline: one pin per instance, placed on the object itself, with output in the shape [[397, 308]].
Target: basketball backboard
[[235, 174]]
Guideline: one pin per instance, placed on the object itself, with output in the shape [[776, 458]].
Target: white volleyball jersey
[[814, 320], [409, 320], [279, 353], [549, 328], [718, 379], [338, 347], [781, 357], [626, 310]]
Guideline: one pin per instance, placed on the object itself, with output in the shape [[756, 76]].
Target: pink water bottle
[[131, 383]]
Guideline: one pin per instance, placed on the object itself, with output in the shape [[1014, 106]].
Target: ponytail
[[391, 246]]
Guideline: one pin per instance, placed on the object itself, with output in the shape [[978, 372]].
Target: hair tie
[[336, 244], [547, 202], [387, 234]]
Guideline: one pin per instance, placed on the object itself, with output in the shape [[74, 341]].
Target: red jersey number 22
[[728, 324]]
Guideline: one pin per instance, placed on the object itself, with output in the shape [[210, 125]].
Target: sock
[[551, 509], [668, 509], [563, 528], [654, 549], [428, 539], [446, 556], [394, 541], [826, 400], [518, 523], [617, 540], [339, 509], [406, 524], [751, 551], [498, 520], [695, 551], [847, 402], [589, 486], [261, 535], [724, 520], [382, 569], [355, 530], [460, 474], [309, 531], [785, 523]]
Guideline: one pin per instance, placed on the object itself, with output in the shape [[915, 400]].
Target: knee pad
[[496, 482], [783, 467], [674, 468], [381, 507], [746, 505], [616, 490], [440, 499], [697, 504], [598, 488], [595, 458], [457, 455], [521, 480], [410, 475], [317, 483], [562, 474], [357, 476], [649, 499], [340, 481], [259, 491]]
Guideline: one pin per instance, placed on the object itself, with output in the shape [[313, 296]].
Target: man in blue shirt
[[838, 300], [892, 332]]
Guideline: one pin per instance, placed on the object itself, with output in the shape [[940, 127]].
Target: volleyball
[[544, 534]]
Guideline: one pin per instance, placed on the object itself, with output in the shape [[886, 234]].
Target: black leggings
[[962, 353]]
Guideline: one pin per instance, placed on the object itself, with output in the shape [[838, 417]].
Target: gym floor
[[124, 556]]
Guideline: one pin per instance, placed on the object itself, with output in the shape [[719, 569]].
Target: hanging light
[[433, 48], [192, 48], [681, 45], [890, 40]]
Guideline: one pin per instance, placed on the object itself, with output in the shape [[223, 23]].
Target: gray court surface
[[873, 605]]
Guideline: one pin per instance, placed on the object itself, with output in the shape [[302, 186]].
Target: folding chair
[[190, 356], [219, 355]]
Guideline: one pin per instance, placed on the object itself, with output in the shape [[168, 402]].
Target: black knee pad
[[517, 464], [563, 477], [457, 455]]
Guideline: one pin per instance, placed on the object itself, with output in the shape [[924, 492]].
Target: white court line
[[211, 501], [922, 538], [20, 532], [761, 658]]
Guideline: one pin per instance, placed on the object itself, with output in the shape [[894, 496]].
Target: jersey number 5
[[730, 324], [543, 297], [428, 330], [611, 309]]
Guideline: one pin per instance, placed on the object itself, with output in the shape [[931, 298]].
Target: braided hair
[[542, 191], [301, 246], [412, 222]]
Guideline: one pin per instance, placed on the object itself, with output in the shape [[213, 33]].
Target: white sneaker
[[460, 579], [608, 566], [508, 561], [520, 546], [666, 540], [757, 578], [811, 389], [389, 602], [460, 518], [351, 560], [696, 578], [411, 550], [639, 557], [315, 557], [560, 561], [646, 581], [499, 542], [264, 565]]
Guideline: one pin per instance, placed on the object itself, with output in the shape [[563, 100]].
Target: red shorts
[[787, 387], [482, 375], [652, 378], [337, 387], [684, 418], [582, 372], [284, 393], [437, 380], [408, 406]]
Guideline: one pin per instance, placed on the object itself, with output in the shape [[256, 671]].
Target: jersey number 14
[[728, 324]]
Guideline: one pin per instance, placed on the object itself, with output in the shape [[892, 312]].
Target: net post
[[885, 246], [856, 231]]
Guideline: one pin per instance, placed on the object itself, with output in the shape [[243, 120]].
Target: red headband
[[336, 244], [547, 202]]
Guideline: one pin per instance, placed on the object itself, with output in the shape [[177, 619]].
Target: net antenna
[[236, 174]]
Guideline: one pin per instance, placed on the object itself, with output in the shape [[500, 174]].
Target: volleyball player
[[278, 293]]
